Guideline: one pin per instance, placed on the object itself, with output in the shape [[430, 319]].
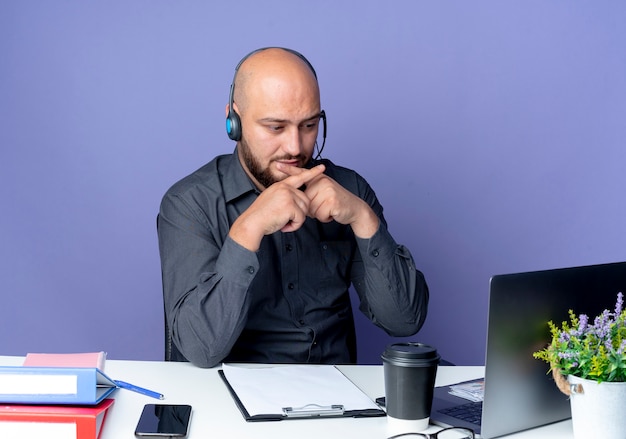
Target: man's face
[[280, 123]]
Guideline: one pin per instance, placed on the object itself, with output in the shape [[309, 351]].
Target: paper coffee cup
[[410, 370]]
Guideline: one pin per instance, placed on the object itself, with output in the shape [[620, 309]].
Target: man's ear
[[228, 107]]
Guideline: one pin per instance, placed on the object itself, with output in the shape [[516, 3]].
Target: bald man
[[260, 247]]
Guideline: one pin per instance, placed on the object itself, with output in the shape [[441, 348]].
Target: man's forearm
[[393, 292], [207, 318]]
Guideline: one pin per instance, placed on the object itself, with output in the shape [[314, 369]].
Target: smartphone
[[164, 420]]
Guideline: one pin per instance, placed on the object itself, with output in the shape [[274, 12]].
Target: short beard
[[262, 175]]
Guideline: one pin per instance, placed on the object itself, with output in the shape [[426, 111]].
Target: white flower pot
[[598, 411]]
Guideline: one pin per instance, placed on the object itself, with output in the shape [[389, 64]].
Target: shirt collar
[[236, 182]]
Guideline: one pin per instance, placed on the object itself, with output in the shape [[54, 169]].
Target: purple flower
[[619, 305], [583, 321], [602, 324]]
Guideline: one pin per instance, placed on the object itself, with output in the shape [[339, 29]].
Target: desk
[[215, 415]]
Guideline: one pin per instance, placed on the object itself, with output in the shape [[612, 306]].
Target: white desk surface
[[215, 415]]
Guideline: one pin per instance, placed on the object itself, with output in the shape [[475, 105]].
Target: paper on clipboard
[[274, 390]]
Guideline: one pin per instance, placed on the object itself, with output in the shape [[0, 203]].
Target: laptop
[[518, 393]]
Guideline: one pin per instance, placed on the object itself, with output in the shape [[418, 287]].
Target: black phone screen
[[164, 420]]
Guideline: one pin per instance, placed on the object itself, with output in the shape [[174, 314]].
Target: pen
[[150, 393]]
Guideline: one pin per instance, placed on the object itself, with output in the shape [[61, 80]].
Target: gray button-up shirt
[[288, 302]]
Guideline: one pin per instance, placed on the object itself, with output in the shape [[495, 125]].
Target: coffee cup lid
[[410, 351]]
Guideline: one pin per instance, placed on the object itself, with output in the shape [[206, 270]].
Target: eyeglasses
[[446, 433]]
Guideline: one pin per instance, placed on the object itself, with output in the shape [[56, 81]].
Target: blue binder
[[54, 385]]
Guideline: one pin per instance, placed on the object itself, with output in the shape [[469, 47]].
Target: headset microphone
[[319, 151]]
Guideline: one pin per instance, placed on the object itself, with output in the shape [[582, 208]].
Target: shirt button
[[375, 253], [301, 322], [291, 286], [289, 247], [251, 270]]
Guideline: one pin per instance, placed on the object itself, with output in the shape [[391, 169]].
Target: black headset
[[233, 122]]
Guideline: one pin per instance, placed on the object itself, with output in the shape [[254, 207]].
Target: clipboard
[[295, 392]]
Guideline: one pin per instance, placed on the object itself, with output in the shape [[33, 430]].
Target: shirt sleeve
[[393, 293], [205, 280]]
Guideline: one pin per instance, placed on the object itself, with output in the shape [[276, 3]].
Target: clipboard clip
[[311, 410]]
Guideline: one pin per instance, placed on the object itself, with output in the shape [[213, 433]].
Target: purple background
[[493, 133]]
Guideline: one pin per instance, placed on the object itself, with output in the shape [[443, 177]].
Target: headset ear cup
[[233, 126]]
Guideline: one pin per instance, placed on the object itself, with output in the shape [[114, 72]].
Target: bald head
[[272, 72]]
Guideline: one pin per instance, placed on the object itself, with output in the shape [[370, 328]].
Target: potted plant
[[588, 363]]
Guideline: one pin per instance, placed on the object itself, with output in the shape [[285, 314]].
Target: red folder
[[77, 422]]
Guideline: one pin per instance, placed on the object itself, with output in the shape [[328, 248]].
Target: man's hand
[[282, 206], [330, 201]]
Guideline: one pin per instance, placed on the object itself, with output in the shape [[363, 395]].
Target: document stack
[[56, 396]]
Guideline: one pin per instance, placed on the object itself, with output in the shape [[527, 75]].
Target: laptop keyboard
[[470, 412]]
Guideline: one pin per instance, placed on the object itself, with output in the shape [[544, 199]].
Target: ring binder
[[310, 410]]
